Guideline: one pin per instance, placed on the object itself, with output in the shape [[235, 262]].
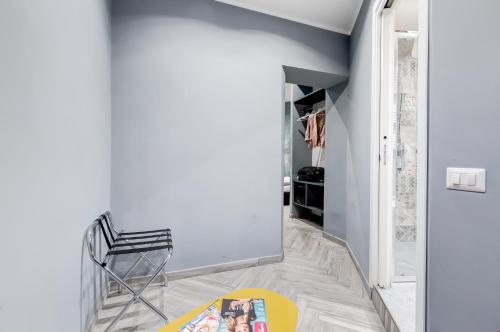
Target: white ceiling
[[334, 15]]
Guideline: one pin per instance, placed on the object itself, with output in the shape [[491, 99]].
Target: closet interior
[[308, 126]]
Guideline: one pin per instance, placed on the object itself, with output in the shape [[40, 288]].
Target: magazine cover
[[207, 321], [243, 315]]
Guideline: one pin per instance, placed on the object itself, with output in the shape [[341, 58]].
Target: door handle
[[385, 154]]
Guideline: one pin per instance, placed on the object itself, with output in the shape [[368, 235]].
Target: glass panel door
[[405, 158]]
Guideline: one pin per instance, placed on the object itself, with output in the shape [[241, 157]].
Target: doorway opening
[[307, 108], [399, 161], [306, 105]]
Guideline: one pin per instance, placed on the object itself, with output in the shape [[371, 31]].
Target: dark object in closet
[[313, 174], [286, 198], [308, 200]]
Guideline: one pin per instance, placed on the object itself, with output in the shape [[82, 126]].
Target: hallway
[[317, 274]]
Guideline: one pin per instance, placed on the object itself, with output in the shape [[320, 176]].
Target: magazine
[[207, 321], [243, 315], [230, 315]]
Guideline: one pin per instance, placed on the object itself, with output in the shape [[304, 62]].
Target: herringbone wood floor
[[316, 273]]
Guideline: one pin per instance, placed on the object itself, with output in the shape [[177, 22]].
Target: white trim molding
[[422, 162], [374, 142]]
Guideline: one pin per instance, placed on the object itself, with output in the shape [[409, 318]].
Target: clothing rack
[[305, 117]]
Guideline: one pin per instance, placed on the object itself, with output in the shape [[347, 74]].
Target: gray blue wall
[[55, 157], [337, 138], [464, 122], [348, 148], [197, 118], [355, 104]]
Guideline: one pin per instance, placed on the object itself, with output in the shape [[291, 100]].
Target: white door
[[398, 154], [387, 92], [398, 196]]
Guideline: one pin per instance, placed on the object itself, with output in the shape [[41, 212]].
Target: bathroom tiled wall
[[405, 125]]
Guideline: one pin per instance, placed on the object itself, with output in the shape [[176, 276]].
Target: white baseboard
[[203, 270], [360, 270], [343, 243], [230, 266], [334, 239]]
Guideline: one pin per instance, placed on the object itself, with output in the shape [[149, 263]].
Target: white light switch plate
[[466, 179]]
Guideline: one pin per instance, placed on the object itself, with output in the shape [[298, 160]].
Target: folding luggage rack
[[122, 244]]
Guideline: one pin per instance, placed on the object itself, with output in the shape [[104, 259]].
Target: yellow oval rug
[[281, 312]]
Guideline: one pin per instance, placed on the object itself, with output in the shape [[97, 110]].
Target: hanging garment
[[320, 123], [315, 132], [311, 136]]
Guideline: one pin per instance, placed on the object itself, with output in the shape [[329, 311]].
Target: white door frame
[[386, 166], [375, 154]]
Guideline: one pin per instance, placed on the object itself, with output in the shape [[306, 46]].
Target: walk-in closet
[[308, 126]]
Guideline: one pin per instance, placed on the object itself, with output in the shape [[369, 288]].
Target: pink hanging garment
[[311, 136], [320, 122]]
